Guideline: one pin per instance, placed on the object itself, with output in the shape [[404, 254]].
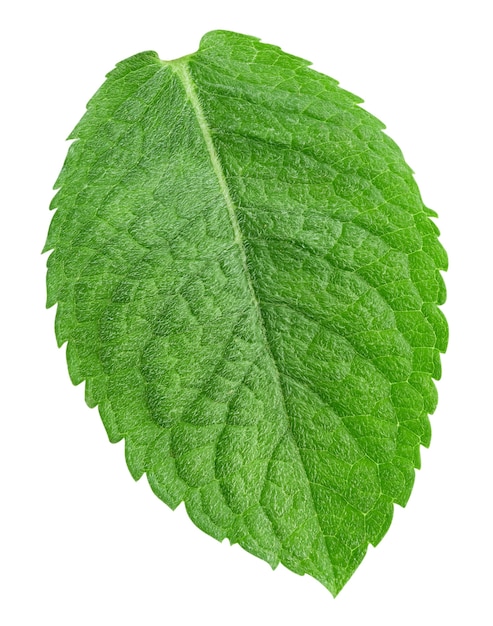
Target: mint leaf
[[248, 282]]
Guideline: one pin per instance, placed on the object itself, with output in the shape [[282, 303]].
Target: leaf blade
[[237, 203]]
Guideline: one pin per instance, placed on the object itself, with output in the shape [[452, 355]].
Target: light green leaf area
[[248, 281]]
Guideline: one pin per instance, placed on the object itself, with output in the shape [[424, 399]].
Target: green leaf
[[248, 281]]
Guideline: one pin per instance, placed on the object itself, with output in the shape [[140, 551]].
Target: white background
[[80, 542]]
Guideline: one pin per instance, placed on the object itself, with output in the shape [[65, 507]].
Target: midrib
[[180, 68]]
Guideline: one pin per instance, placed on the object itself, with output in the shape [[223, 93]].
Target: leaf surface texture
[[248, 281]]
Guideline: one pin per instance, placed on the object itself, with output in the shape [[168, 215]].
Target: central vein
[[181, 69]]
